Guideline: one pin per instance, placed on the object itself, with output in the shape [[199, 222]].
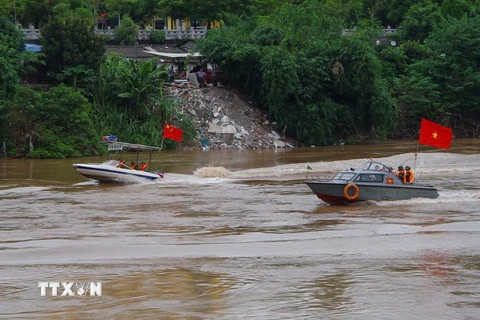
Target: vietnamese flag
[[173, 133], [435, 135]]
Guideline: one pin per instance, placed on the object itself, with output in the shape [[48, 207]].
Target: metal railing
[[31, 34], [317, 177], [383, 32], [190, 33]]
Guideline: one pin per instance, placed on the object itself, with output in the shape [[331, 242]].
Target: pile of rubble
[[225, 121]]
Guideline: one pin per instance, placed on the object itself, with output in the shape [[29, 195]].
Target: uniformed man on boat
[[401, 173], [134, 165], [409, 175]]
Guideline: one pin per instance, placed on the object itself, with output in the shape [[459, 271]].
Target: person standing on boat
[[401, 173], [409, 175]]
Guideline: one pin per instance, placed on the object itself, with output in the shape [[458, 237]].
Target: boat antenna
[[415, 160]]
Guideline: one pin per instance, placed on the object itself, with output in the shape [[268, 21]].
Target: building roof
[[169, 54], [149, 51]]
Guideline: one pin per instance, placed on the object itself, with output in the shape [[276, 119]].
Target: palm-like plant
[[129, 101], [141, 87]]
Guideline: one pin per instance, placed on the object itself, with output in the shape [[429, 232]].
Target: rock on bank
[[224, 121]]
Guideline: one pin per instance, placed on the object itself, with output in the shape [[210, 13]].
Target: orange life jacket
[[134, 166], [409, 177], [144, 167]]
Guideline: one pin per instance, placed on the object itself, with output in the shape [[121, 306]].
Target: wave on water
[[212, 172], [86, 183], [204, 175], [22, 190]]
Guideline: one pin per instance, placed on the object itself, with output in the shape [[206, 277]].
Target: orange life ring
[[347, 187]]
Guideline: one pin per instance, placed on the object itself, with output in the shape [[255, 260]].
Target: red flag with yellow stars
[[173, 133], [435, 135]]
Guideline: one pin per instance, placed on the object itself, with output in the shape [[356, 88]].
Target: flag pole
[[416, 152], [415, 161], [163, 136]]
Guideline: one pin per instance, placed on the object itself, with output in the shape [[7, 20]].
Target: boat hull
[[333, 192], [105, 173]]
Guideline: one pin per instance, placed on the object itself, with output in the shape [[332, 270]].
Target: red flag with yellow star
[[435, 135], [171, 132]]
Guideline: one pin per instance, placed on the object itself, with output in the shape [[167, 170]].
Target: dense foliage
[[290, 57], [319, 91], [321, 87], [126, 33], [14, 61], [50, 124], [71, 48], [94, 96], [128, 100], [11, 45]]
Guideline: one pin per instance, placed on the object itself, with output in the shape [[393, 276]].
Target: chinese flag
[[435, 135], [173, 133]]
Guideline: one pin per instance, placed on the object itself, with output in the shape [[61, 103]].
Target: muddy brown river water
[[237, 235]]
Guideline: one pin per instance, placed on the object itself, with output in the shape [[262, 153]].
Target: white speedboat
[[109, 171], [114, 171]]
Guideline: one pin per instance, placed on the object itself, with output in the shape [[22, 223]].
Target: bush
[[157, 36], [127, 32]]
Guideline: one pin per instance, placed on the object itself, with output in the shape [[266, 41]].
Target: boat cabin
[[376, 166], [372, 172]]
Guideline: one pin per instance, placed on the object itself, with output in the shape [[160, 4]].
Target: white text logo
[[71, 289]]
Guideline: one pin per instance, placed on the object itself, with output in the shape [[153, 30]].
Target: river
[[238, 235]]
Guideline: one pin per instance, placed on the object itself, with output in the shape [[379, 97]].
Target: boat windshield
[[376, 166], [111, 162], [345, 176]]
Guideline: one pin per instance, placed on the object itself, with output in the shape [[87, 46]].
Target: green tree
[[85, 9], [69, 43], [360, 86], [454, 48], [127, 32], [350, 11], [38, 12], [205, 11], [419, 21], [129, 101], [11, 43], [321, 89], [137, 10], [397, 10], [418, 96], [14, 61], [50, 124], [7, 7], [450, 76], [457, 8]]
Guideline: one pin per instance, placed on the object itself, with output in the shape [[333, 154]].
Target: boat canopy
[[119, 146]]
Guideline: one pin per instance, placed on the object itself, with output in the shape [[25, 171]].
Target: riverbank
[[224, 120]]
